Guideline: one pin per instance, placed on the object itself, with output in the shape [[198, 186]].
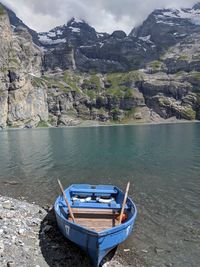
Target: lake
[[162, 163]]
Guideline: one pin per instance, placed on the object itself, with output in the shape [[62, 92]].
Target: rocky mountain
[[20, 59], [76, 45], [16, 22], [73, 73], [86, 50], [167, 27]]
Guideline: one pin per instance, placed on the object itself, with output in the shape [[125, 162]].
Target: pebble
[[1, 246], [7, 205], [21, 231], [11, 264], [144, 250], [47, 228], [9, 215], [27, 236], [127, 250], [13, 239], [159, 250]]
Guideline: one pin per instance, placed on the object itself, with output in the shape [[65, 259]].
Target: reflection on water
[[162, 162]]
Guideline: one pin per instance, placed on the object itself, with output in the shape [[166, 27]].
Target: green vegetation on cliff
[[2, 10], [183, 58], [122, 84], [155, 65], [196, 75], [190, 114], [42, 124], [71, 80]]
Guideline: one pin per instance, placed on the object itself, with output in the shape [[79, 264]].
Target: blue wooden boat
[[96, 211]]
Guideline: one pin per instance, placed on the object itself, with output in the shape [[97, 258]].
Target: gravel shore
[[29, 237]]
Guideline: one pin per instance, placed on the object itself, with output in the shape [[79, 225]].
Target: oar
[[124, 203], [67, 202]]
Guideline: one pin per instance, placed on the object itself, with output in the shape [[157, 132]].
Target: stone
[[47, 228], [144, 250], [11, 264], [9, 215], [21, 231], [138, 116], [1, 246], [7, 205], [19, 243], [127, 250], [13, 239], [159, 250]]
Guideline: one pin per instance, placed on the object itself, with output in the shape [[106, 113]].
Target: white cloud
[[104, 15]]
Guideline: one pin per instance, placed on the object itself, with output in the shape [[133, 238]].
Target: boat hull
[[96, 245]]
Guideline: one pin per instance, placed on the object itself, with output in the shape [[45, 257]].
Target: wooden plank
[[96, 224], [94, 216], [93, 211]]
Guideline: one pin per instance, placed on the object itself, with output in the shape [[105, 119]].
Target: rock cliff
[[20, 103]]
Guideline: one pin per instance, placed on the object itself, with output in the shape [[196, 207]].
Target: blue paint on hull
[[96, 244]]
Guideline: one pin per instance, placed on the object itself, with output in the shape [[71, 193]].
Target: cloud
[[104, 15]]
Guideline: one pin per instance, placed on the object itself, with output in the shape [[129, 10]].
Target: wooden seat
[[95, 219]]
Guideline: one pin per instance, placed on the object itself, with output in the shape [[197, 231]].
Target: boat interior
[[97, 208]]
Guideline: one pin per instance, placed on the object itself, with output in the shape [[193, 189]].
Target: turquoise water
[[161, 161]]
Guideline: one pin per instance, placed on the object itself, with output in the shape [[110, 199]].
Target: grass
[[37, 82], [121, 84], [4, 70], [190, 113], [121, 78], [179, 74], [14, 60], [93, 83], [116, 92], [155, 65], [164, 101], [72, 81], [196, 75], [91, 94], [42, 124], [2, 10], [183, 58]]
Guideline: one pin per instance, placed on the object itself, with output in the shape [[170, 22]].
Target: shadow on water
[[57, 250]]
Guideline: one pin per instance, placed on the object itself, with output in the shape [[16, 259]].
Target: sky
[[103, 15]]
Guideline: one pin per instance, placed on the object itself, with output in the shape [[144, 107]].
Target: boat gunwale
[[103, 233]]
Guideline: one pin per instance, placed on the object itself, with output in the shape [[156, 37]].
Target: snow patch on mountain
[[193, 15], [75, 29], [46, 39], [77, 20]]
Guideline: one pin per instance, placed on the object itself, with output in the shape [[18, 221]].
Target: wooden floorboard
[[95, 219]]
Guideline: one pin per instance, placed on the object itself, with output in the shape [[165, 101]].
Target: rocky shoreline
[[86, 124], [30, 238]]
